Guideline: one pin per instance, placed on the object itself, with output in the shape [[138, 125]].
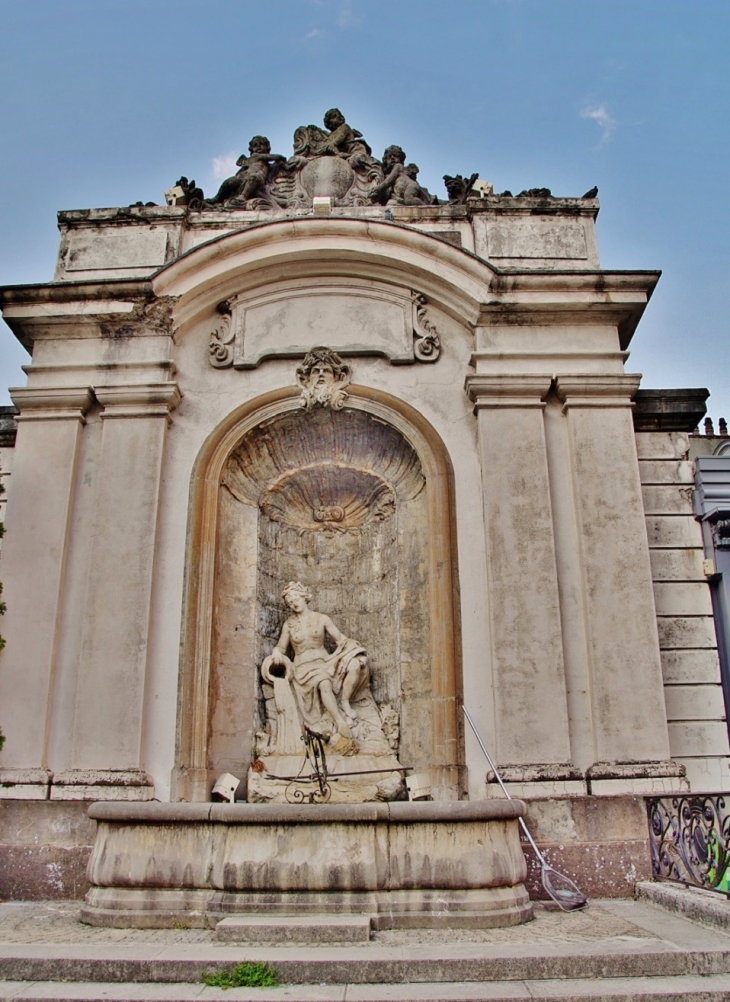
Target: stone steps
[[315, 929], [618, 950], [370, 964], [691, 988]]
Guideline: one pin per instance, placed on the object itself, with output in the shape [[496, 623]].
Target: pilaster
[[630, 738], [106, 753], [33, 566], [527, 655]]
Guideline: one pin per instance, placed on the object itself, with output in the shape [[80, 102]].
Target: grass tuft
[[246, 975]]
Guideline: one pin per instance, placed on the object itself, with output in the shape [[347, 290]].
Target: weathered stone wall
[[44, 849], [354, 580], [695, 708], [602, 843]]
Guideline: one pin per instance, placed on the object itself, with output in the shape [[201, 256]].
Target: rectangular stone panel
[[536, 237], [687, 665], [666, 471], [677, 565], [694, 702], [700, 738], [673, 531], [706, 775], [682, 598], [367, 321], [662, 444], [673, 499], [686, 631], [116, 248]]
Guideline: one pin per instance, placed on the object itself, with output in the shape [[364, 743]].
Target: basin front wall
[[330, 856], [426, 864]]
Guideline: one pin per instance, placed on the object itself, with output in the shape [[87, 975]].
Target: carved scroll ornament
[[220, 347], [426, 344]]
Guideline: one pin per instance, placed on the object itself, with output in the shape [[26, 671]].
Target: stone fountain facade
[[418, 411]]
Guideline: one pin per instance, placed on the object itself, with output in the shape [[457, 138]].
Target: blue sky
[[104, 102]]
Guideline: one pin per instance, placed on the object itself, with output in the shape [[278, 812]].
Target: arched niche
[[359, 504]]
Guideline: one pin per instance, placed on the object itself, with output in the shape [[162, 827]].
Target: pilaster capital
[[507, 390], [51, 403], [597, 391], [138, 400]]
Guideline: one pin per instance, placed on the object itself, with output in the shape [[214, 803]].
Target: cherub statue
[[323, 377], [340, 141], [250, 181], [400, 185], [393, 168], [411, 191]]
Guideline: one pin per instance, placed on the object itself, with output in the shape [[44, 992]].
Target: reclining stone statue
[[326, 693], [323, 683]]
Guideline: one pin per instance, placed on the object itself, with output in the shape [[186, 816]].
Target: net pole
[[493, 767]]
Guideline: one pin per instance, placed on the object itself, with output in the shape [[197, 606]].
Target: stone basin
[[422, 864]]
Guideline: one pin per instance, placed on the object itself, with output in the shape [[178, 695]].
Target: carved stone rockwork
[[458, 187]]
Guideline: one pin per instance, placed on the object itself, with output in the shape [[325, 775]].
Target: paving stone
[[715, 988], [615, 950]]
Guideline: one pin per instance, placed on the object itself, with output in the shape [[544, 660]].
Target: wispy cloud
[[332, 15], [223, 166], [344, 16], [604, 120]]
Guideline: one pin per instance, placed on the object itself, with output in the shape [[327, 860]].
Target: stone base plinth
[[24, 784], [403, 864], [488, 908], [102, 784]]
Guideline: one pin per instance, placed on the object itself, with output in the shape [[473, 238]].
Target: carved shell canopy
[[329, 471], [328, 496]]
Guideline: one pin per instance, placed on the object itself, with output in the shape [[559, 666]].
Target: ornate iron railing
[[690, 839]]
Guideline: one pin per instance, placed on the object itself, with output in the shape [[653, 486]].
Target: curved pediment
[[271, 257]]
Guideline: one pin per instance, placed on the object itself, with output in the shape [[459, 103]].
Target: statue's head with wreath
[[296, 590]]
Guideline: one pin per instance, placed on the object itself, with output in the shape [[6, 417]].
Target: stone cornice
[[611, 298], [669, 410], [487, 392], [73, 309], [64, 292], [138, 400], [51, 403], [597, 391], [491, 205]]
